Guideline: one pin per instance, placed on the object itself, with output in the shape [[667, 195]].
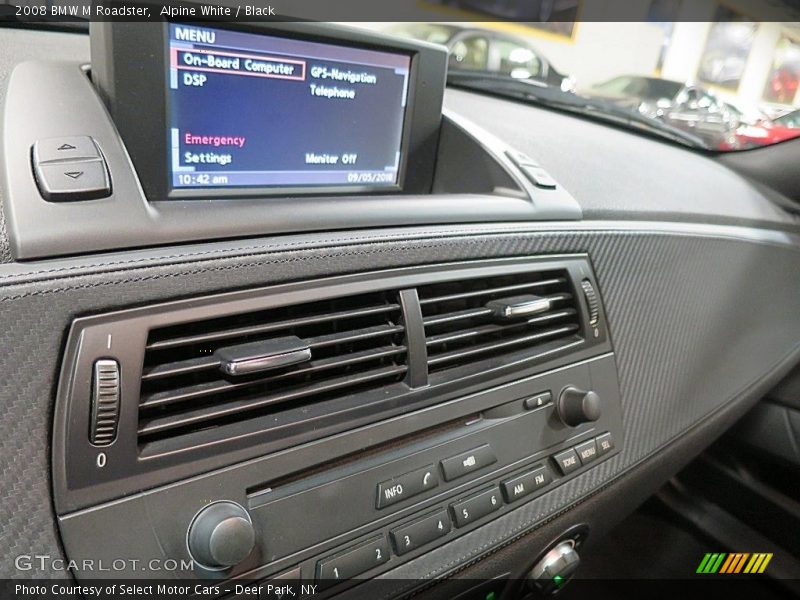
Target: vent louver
[[356, 344], [463, 324]]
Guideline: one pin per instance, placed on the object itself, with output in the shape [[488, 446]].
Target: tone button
[[567, 461]]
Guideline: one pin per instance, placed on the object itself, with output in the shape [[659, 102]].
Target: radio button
[[538, 401], [404, 486], [587, 451], [605, 444], [527, 483], [352, 562], [567, 461], [412, 536], [476, 507], [466, 463]]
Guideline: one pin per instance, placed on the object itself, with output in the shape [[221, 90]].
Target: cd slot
[[365, 458]]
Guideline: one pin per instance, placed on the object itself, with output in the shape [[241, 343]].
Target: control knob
[[221, 535], [555, 568], [576, 406]]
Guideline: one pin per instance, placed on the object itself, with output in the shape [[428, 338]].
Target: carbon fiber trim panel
[[694, 320]]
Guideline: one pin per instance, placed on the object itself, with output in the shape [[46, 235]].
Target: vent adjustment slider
[[255, 357]]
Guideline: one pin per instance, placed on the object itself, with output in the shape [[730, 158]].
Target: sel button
[[405, 486], [527, 483], [463, 464], [567, 461], [605, 444]]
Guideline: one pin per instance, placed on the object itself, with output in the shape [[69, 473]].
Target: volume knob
[[576, 406], [221, 535]]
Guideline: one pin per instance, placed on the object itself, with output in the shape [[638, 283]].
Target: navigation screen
[[255, 110]]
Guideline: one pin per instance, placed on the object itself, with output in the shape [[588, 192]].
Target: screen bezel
[[130, 63]]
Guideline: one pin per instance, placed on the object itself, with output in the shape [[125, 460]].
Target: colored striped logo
[[735, 562]]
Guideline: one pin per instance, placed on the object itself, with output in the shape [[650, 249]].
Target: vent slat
[[212, 336], [161, 424], [461, 328], [195, 365], [355, 335], [457, 355], [494, 290], [193, 392], [179, 367], [482, 330]]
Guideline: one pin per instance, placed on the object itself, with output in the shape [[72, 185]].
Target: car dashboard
[[373, 390]]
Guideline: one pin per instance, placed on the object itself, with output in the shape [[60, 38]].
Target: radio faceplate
[[474, 458]]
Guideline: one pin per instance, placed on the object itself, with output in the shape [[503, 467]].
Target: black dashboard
[[536, 322]]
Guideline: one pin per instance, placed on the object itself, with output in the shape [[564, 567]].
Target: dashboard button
[[527, 483], [605, 444], [68, 181], [404, 486], [520, 158], [79, 147], [352, 561], [539, 177], [475, 507], [463, 464], [410, 537], [567, 461], [538, 401], [587, 451]]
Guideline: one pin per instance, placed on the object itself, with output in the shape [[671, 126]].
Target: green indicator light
[[558, 580], [491, 596]]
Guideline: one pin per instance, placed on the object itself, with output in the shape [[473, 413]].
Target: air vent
[[475, 320], [189, 382]]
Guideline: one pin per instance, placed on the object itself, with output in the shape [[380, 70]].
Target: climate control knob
[[576, 406], [221, 535]]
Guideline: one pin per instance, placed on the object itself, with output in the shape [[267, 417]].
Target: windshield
[[730, 84]]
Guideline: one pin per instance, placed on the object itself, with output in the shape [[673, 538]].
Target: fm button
[[404, 486]]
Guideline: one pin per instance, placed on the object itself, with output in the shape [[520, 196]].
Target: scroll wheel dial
[[591, 301]]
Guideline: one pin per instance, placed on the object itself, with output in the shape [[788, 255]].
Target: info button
[[404, 486]]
